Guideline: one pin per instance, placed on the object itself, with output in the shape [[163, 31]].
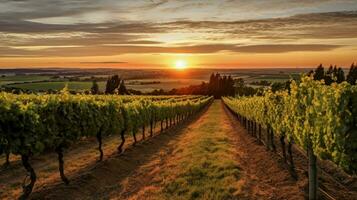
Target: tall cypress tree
[[352, 75], [122, 89], [112, 84], [340, 75], [231, 89], [328, 76], [319, 73], [95, 88]]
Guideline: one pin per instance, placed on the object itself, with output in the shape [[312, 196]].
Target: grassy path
[[211, 159]]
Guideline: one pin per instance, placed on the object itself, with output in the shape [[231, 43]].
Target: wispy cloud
[[70, 28], [104, 62], [315, 26], [193, 49]]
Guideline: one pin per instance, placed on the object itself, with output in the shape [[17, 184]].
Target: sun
[[180, 64]]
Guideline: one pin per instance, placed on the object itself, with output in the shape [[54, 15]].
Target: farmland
[[141, 80], [146, 85]]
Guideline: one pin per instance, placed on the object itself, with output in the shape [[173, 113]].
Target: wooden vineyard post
[[260, 132], [99, 138], [312, 173], [151, 128], [143, 132], [255, 129], [268, 143], [272, 139], [162, 127]]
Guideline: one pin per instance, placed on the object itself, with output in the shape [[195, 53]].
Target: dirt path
[[212, 158]]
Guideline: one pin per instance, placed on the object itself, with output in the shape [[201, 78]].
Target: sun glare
[[180, 64]]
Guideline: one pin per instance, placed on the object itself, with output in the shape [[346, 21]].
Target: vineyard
[[35, 124], [320, 119], [315, 125]]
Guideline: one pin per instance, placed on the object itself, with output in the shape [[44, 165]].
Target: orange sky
[[157, 33]]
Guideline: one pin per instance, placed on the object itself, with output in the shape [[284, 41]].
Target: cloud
[[104, 62], [193, 49], [283, 48], [8, 26], [306, 26], [102, 28]]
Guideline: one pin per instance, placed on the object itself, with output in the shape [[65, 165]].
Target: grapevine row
[[319, 118], [33, 124]]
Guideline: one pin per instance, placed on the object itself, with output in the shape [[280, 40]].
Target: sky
[[159, 33]]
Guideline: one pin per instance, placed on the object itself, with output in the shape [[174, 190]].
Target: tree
[[219, 86], [95, 87], [319, 73], [122, 89], [340, 76], [231, 89], [352, 75], [112, 84], [329, 76]]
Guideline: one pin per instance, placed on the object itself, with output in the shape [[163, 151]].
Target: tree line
[[217, 86], [114, 85], [335, 74]]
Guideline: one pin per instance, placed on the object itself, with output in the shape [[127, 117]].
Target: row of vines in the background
[[321, 119], [33, 124]]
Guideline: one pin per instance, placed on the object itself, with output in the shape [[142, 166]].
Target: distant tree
[[231, 89], [112, 84], [352, 75], [218, 86], [340, 76], [319, 73], [95, 87], [333, 74], [329, 76], [122, 89]]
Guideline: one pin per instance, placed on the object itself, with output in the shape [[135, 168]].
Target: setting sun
[[180, 64]]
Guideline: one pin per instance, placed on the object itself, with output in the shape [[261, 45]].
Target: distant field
[[165, 84], [56, 85], [153, 79], [22, 78]]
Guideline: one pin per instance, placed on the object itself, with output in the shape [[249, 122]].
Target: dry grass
[[201, 164]]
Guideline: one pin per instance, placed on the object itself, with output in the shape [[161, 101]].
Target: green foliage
[[122, 89], [95, 88], [219, 86], [112, 84], [352, 75], [33, 124], [319, 73], [311, 111], [30, 124]]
